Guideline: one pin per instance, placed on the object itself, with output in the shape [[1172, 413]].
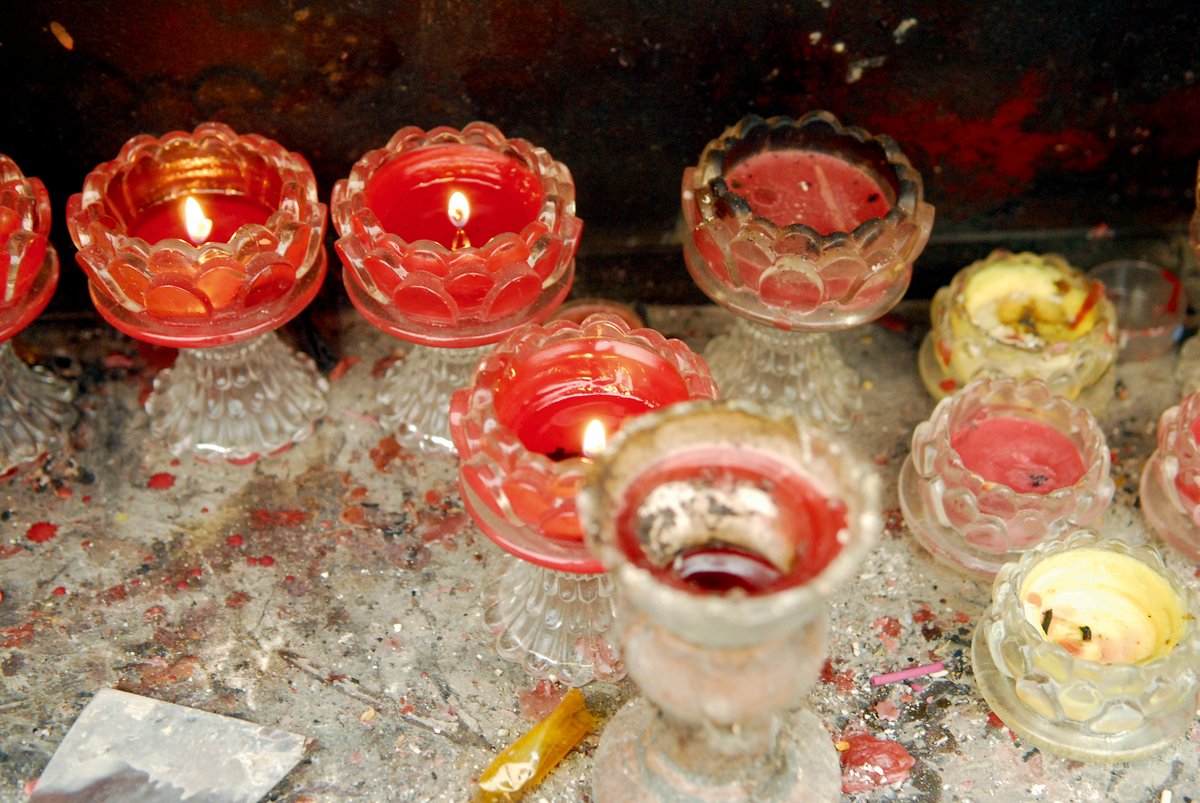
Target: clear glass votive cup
[[977, 522], [1170, 485], [1042, 662]]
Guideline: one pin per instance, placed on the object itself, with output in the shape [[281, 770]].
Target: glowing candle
[[595, 438], [200, 218], [1103, 606]]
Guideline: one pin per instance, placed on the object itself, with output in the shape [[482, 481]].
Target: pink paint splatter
[[41, 532], [161, 481], [869, 763]]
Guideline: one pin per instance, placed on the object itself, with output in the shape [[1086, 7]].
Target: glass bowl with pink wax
[[804, 223], [200, 239], [437, 270], [1000, 466]]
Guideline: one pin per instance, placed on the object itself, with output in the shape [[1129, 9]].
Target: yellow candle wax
[[1031, 303], [1103, 606]]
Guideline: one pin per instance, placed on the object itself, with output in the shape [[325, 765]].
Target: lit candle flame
[[198, 225], [458, 209], [595, 438]]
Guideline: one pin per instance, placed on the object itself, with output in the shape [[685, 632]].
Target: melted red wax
[[869, 763], [817, 189], [41, 532], [1027, 456], [161, 481]]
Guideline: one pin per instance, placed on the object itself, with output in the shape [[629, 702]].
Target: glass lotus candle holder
[[209, 241], [800, 227], [520, 434], [451, 240], [35, 406], [1026, 316], [999, 467], [725, 529], [1170, 485], [1089, 650]]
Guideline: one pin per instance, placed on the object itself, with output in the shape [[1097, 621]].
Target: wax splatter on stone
[[869, 763], [161, 481], [538, 702], [42, 531]]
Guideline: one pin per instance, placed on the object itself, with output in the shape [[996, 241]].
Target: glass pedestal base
[[35, 410], [415, 392], [796, 371], [648, 755], [237, 402], [554, 624]]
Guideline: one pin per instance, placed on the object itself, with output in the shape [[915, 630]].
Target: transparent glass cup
[[236, 392], [726, 529], [1073, 706], [790, 285], [976, 524], [1170, 484]]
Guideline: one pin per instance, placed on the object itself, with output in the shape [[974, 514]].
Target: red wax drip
[[1027, 456], [810, 187], [228, 213], [410, 194], [720, 569]]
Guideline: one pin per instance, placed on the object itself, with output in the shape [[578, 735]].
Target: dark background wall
[[1066, 126]]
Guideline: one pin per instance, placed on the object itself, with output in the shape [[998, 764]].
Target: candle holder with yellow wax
[[1090, 649], [540, 407], [209, 241], [1000, 466], [452, 240], [726, 529], [1170, 486], [1026, 316]]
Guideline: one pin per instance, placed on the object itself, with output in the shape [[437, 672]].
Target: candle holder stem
[[554, 624], [35, 410], [415, 392], [798, 371], [653, 753], [237, 402]]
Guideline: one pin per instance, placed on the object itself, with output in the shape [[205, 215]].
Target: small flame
[[595, 438], [458, 209], [198, 225]]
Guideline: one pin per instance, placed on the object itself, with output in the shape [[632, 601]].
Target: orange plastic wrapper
[[524, 763]]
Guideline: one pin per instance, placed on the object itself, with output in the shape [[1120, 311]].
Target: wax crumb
[[538, 702], [60, 33], [252, 561], [61, 591], [64, 493], [869, 763], [266, 560], [161, 481], [235, 540], [344, 365], [197, 572], [41, 532]]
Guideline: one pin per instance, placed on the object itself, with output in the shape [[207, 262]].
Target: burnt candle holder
[[520, 433], [726, 529], [1089, 650], [451, 240], [801, 227], [207, 242], [36, 407], [1025, 316], [999, 467], [1170, 484]]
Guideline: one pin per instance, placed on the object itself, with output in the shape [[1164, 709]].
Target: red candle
[[551, 396], [1027, 456], [411, 194], [810, 187], [227, 214]]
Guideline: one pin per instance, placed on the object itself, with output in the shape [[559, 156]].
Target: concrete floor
[[333, 591]]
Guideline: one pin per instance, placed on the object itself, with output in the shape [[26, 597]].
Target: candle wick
[[460, 240]]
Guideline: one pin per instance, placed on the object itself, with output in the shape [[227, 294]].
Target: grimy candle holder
[[725, 529]]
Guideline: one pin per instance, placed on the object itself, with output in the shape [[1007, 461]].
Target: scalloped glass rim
[[907, 187], [20, 314], [89, 214], [361, 234], [478, 402]]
